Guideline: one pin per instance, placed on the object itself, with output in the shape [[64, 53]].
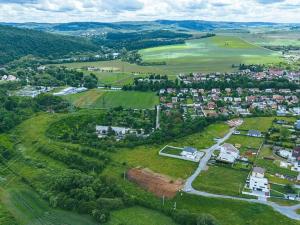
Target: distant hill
[[82, 28], [16, 42]]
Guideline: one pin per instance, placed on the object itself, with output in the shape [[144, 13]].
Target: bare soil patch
[[159, 184]]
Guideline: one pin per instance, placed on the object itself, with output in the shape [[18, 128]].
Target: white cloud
[[122, 10]]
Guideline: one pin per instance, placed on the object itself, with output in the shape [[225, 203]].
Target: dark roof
[[296, 152], [259, 170], [190, 149], [256, 132]]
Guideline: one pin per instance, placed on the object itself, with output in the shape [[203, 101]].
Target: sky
[[59, 11]]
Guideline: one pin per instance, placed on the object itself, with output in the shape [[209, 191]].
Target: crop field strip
[[209, 54]]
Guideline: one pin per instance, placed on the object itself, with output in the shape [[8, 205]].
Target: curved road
[[288, 211]]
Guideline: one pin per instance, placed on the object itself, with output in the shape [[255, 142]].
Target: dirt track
[[156, 183]]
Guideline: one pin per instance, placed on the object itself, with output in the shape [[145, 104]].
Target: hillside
[[15, 43]]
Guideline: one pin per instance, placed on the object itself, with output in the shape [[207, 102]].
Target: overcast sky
[[136, 10]]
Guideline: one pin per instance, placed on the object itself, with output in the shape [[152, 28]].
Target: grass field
[[221, 180], [119, 66], [216, 54], [205, 139], [29, 209], [257, 123], [147, 156], [246, 142], [139, 216], [99, 99]]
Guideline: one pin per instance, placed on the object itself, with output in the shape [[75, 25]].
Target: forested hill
[[16, 42]]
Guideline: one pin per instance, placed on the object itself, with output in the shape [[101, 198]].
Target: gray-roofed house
[[254, 133], [189, 151], [228, 153]]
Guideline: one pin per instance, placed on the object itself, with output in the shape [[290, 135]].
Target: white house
[[189, 152], [228, 153], [120, 132], [103, 130], [258, 182]]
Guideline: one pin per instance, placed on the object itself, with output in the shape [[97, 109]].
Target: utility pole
[[163, 200], [124, 175]]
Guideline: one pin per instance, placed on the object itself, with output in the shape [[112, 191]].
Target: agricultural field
[[115, 66], [221, 180], [215, 54], [274, 38], [102, 99], [140, 216]]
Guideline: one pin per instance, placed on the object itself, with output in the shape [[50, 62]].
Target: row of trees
[[235, 82]]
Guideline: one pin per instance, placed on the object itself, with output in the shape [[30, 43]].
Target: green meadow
[[215, 54], [102, 99], [138, 215], [221, 180]]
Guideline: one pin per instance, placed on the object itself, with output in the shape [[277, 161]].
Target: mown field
[[215, 54], [140, 216], [221, 180], [36, 166], [261, 123], [102, 99], [203, 139]]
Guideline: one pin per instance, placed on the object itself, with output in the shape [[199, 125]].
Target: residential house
[[228, 153], [258, 182], [189, 152], [254, 133]]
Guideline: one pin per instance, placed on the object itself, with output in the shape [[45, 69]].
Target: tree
[[206, 219], [101, 216], [284, 133], [289, 189]]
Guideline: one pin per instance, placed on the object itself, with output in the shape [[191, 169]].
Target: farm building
[[228, 153]]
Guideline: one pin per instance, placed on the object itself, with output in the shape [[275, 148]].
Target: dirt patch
[[159, 184]]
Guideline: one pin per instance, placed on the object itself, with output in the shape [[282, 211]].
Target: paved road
[[203, 162], [288, 211]]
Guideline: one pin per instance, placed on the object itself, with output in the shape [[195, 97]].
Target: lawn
[[139, 216], [147, 156], [257, 123], [221, 180], [99, 99], [172, 151], [205, 139], [246, 142], [229, 212], [215, 54]]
